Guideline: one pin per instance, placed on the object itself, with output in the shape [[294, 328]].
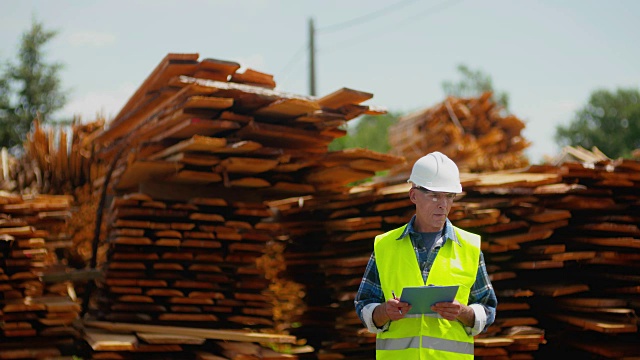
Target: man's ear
[[412, 195]]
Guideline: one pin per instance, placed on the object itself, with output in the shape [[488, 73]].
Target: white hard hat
[[436, 172]]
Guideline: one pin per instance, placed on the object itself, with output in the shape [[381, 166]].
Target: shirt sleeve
[[367, 316], [369, 296], [483, 301]]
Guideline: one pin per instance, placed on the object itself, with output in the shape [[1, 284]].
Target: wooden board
[[521, 238], [250, 182], [596, 325], [193, 177], [342, 97], [555, 290], [196, 126], [102, 341], [142, 171], [208, 102], [231, 335], [282, 136], [245, 165], [287, 108], [253, 77], [196, 143], [223, 68], [153, 338]]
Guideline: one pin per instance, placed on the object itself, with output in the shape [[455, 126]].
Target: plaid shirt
[[482, 293]]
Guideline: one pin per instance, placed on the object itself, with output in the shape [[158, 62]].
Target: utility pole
[[312, 59]]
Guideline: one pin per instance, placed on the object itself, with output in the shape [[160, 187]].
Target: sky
[[548, 55]]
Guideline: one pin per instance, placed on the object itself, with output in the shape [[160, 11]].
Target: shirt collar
[[447, 231]]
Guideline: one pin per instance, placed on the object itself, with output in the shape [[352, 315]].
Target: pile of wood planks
[[35, 316], [189, 161], [206, 263], [474, 132], [57, 158], [227, 211], [202, 124], [564, 272], [109, 340]]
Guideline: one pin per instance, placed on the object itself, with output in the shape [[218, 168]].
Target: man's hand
[[392, 309], [395, 309], [455, 311]]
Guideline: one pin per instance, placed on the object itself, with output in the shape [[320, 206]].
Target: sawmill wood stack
[[197, 149], [332, 240], [206, 263], [108, 340], [560, 243], [35, 316], [58, 159], [474, 132], [202, 124], [604, 238]]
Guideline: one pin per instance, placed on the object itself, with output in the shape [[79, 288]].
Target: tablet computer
[[422, 298]]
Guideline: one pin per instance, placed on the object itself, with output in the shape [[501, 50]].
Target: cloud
[[90, 105], [91, 38]]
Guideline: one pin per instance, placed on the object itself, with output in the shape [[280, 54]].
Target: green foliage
[[369, 132], [473, 84], [29, 88], [610, 121]]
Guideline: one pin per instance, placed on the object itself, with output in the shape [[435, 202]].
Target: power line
[[409, 20], [364, 18], [286, 68]]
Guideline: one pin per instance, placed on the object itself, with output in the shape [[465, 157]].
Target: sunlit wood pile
[[188, 163], [58, 159], [560, 243], [231, 232], [474, 132], [35, 316], [195, 123]]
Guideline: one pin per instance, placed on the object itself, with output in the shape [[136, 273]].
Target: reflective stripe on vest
[[427, 342], [456, 264]]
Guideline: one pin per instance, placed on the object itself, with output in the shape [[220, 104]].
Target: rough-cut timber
[[476, 133]]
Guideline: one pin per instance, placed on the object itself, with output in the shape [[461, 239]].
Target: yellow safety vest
[[423, 336]]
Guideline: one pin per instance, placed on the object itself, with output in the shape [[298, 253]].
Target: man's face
[[432, 208]]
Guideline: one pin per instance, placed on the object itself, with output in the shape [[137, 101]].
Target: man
[[428, 250]]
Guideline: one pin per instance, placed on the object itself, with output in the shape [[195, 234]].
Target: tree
[[610, 121], [473, 84], [29, 89], [370, 132]]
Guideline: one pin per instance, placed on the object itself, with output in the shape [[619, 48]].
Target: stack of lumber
[[578, 154], [473, 132], [60, 160], [330, 243], [203, 124], [332, 240], [35, 316], [600, 295], [189, 161], [108, 340], [57, 158], [206, 263], [564, 271]]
